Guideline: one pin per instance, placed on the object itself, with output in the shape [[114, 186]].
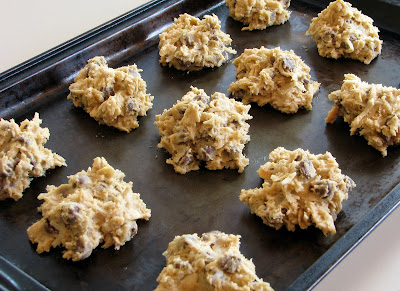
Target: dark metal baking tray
[[199, 201]]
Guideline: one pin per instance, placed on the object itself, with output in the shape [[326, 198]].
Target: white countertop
[[29, 28]]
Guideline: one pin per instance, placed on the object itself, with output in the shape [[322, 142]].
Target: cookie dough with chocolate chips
[[23, 155], [115, 97], [95, 206], [343, 31], [299, 189], [372, 110], [210, 262], [191, 44], [273, 76], [259, 14], [202, 129]]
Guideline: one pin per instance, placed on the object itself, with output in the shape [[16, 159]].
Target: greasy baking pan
[[203, 200]]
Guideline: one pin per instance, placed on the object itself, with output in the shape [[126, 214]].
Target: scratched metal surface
[[204, 200]]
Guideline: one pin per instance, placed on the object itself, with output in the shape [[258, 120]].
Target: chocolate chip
[[202, 97], [329, 35], [353, 37], [131, 106], [182, 138], [306, 82], [65, 189], [187, 39], [181, 110], [225, 55], [215, 38], [49, 228], [344, 45], [217, 58], [186, 159], [234, 152], [229, 264], [25, 140], [323, 189], [184, 63], [7, 169], [70, 213], [107, 92], [306, 169], [288, 64], [207, 153]]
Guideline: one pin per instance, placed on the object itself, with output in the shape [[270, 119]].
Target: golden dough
[[193, 44], [372, 110], [343, 31], [23, 155], [203, 129], [259, 14], [274, 76], [299, 189], [95, 206], [210, 262], [115, 97]]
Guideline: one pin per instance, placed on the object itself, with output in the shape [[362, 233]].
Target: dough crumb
[[199, 129], [273, 76], [259, 14], [114, 97], [190, 44], [95, 206], [210, 262], [371, 110], [299, 189], [23, 155], [343, 31]]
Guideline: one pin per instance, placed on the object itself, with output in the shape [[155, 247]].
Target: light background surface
[[28, 28]]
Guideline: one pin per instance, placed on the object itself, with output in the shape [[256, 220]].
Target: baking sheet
[[204, 200]]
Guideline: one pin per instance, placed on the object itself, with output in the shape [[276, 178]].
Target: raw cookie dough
[[372, 111], [343, 31], [192, 44], [23, 155], [273, 76], [95, 206], [115, 97], [210, 262], [199, 129], [259, 14], [299, 188]]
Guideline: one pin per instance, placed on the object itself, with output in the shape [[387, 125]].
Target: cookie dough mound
[[23, 155], [273, 76], [115, 97], [259, 14], [299, 189], [190, 44], [343, 31], [210, 262], [372, 111], [199, 129], [95, 206]]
